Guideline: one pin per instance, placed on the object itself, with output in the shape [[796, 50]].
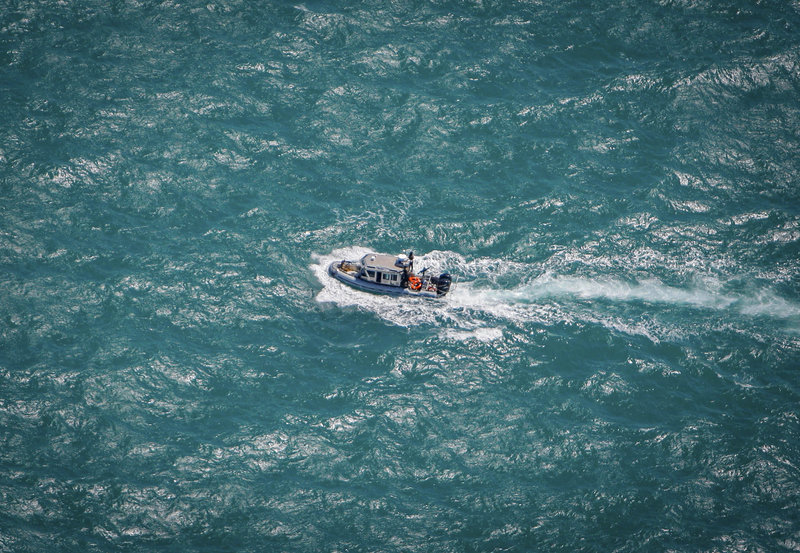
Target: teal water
[[615, 185]]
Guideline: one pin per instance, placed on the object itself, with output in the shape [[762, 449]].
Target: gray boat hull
[[355, 282]]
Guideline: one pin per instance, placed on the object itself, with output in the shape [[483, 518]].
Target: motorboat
[[390, 274]]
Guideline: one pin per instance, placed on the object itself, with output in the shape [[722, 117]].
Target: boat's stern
[[442, 283]]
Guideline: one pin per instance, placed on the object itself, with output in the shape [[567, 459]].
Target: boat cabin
[[384, 269]]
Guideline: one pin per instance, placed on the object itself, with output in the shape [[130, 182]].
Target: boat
[[388, 274]]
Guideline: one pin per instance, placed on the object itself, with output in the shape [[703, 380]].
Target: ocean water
[[615, 185]]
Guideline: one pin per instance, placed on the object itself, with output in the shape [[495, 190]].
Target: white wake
[[492, 293]]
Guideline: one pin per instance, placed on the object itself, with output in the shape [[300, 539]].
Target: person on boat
[[408, 268]]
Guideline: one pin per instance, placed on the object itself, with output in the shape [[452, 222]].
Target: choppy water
[[615, 185]]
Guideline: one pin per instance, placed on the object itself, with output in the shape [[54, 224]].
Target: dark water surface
[[616, 186]]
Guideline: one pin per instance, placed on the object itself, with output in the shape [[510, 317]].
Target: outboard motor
[[442, 283]]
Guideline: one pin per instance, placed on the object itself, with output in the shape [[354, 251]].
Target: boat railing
[[349, 267]]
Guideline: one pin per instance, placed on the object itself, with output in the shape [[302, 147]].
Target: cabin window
[[371, 274]]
